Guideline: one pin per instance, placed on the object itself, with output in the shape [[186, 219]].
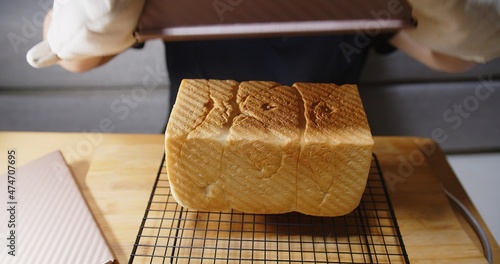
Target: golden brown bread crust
[[261, 147], [336, 149]]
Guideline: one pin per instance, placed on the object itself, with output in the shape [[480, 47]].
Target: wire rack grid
[[172, 234]]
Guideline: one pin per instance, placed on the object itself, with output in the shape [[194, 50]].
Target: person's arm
[[428, 57], [76, 65]]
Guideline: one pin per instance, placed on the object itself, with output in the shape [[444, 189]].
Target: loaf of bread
[[262, 147]]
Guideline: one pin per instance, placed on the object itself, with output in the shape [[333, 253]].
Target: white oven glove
[[87, 28], [467, 29]]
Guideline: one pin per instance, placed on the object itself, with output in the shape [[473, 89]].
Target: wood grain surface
[[116, 174]]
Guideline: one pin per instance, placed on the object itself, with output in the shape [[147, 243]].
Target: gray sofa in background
[[130, 94], [460, 111]]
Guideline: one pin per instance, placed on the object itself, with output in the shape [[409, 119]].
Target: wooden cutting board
[[431, 230], [116, 173]]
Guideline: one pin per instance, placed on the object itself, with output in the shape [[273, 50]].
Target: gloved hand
[[464, 29], [82, 29]]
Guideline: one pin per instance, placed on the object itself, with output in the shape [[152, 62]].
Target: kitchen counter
[[116, 172]]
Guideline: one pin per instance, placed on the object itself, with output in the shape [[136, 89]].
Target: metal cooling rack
[[172, 234]]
